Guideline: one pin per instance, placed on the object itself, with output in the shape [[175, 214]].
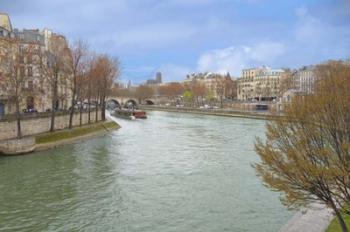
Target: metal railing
[[27, 116]]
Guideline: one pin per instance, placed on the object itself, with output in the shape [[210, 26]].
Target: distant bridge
[[127, 102]]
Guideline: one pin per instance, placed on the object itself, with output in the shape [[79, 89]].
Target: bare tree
[[108, 70], [286, 82], [230, 87], [12, 78], [142, 92], [77, 52], [171, 90], [306, 155], [55, 65], [199, 91], [90, 81], [220, 88], [13, 75]]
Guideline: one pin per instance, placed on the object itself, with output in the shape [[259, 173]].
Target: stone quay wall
[[40, 123]]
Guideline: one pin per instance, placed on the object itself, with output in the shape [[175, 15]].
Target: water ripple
[[171, 172]]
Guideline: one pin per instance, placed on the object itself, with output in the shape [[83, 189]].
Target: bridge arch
[[112, 104], [131, 103], [149, 102]]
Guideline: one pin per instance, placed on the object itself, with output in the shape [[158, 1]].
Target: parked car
[[29, 111]]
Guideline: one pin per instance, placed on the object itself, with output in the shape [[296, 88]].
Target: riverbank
[[314, 219], [264, 115], [38, 123], [49, 140], [334, 226]]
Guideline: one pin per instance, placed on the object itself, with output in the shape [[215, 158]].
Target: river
[[171, 172]]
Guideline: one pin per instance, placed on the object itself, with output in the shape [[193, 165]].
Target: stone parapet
[[41, 124]]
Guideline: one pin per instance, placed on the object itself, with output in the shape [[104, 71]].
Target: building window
[[21, 59], [21, 48], [30, 71], [29, 59], [21, 71], [30, 85]]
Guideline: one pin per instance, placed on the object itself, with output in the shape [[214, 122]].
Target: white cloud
[[234, 59], [267, 52], [319, 39], [172, 72], [230, 59], [301, 11], [308, 28]]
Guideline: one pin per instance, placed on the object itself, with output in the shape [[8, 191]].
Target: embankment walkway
[[314, 219], [262, 115]]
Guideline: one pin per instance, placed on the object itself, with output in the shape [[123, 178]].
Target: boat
[[129, 114]]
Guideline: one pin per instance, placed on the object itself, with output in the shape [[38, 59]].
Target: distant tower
[[5, 22], [159, 77], [129, 85]]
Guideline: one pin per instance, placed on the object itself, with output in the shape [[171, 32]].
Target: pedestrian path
[[314, 219]]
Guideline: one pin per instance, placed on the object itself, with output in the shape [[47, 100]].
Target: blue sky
[[181, 36]]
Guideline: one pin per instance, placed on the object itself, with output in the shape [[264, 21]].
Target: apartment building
[[24, 53], [259, 83]]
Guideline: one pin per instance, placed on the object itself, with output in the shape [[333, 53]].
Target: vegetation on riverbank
[[305, 155], [75, 132], [335, 226]]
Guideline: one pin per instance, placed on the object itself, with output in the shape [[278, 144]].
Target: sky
[[178, 37]]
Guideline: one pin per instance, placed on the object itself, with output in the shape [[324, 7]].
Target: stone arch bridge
[[127, 102]]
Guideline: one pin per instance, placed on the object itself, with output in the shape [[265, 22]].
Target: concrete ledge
[[55, 139], [17, 146], [52, 145], [88, 132], [237, 114]]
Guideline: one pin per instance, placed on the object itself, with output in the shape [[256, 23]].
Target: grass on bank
[[74, 132], [335, 227]]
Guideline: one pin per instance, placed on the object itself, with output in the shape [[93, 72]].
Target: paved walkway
[[314, 219]]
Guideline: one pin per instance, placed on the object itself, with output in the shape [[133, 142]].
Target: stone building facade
[[259, 84], [6, 46], [24, 53], [214, 83], [304, 80]]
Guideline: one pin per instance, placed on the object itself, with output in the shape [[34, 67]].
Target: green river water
[[171, 172]]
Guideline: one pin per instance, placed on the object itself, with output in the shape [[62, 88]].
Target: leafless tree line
[[67, 72], [193, 93]]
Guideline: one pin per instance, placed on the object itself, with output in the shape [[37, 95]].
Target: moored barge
[[129, 114]]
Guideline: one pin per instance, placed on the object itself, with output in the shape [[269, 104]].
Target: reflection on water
[[171, 172]]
